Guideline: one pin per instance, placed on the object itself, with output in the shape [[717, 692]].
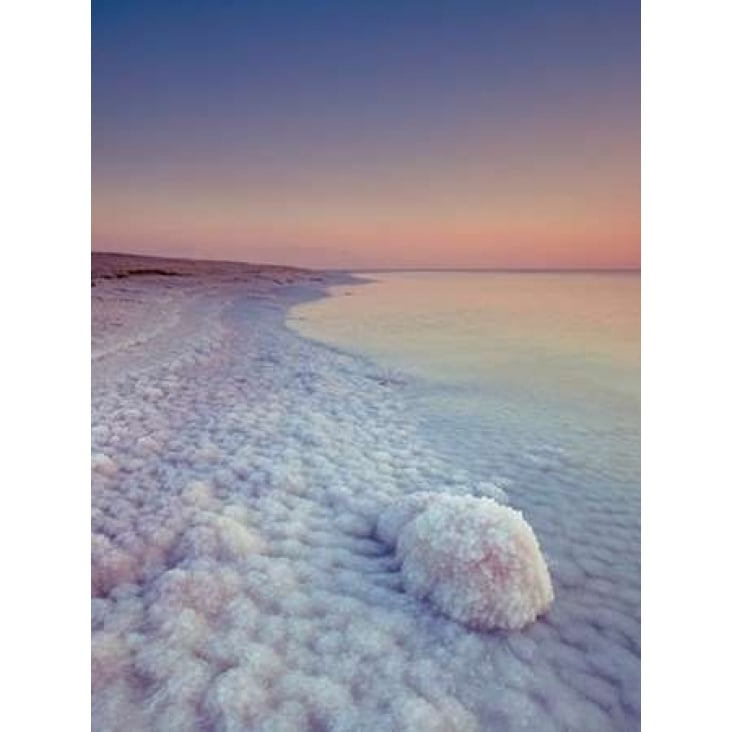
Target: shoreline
[[239, 470]]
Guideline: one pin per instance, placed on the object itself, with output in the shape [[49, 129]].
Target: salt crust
[[252, 546]]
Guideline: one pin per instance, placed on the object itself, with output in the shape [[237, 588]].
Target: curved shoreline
[[238, 472]]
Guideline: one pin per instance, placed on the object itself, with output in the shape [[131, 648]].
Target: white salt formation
[[476, 561], [252, 543]]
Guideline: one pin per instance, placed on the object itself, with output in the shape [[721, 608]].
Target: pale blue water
[[533, 381], [530, 362]]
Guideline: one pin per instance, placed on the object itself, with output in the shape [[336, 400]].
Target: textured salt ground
[[238, 473]]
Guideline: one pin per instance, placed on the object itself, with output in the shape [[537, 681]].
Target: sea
[[512, 365], [530, 380]]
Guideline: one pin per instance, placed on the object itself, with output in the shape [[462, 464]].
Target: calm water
[[514, 365], [531, 381]]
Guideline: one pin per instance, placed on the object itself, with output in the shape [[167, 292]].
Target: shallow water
[[551, 356], [533, 381], [238, 473]]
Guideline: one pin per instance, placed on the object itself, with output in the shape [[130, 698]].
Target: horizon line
[[536, 270], [360, 269]]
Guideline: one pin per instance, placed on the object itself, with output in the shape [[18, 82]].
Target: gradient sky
[[369, 134]]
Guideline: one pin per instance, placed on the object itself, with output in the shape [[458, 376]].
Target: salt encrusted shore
[[244, 575], [136, 297]]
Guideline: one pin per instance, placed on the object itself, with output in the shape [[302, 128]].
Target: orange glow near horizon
[[479, 208], [511, 146]]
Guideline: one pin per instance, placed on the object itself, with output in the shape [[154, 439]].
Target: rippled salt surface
[[239, 473]]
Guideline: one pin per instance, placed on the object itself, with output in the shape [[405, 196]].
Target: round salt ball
[[476, 561]]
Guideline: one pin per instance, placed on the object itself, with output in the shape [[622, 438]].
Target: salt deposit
[[250, 553], [475, 560]]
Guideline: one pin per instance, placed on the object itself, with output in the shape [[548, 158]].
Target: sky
[[367, 134]]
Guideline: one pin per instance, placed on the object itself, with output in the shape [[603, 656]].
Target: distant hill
[[108, 265]]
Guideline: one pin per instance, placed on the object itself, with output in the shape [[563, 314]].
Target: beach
[[242, 572]]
